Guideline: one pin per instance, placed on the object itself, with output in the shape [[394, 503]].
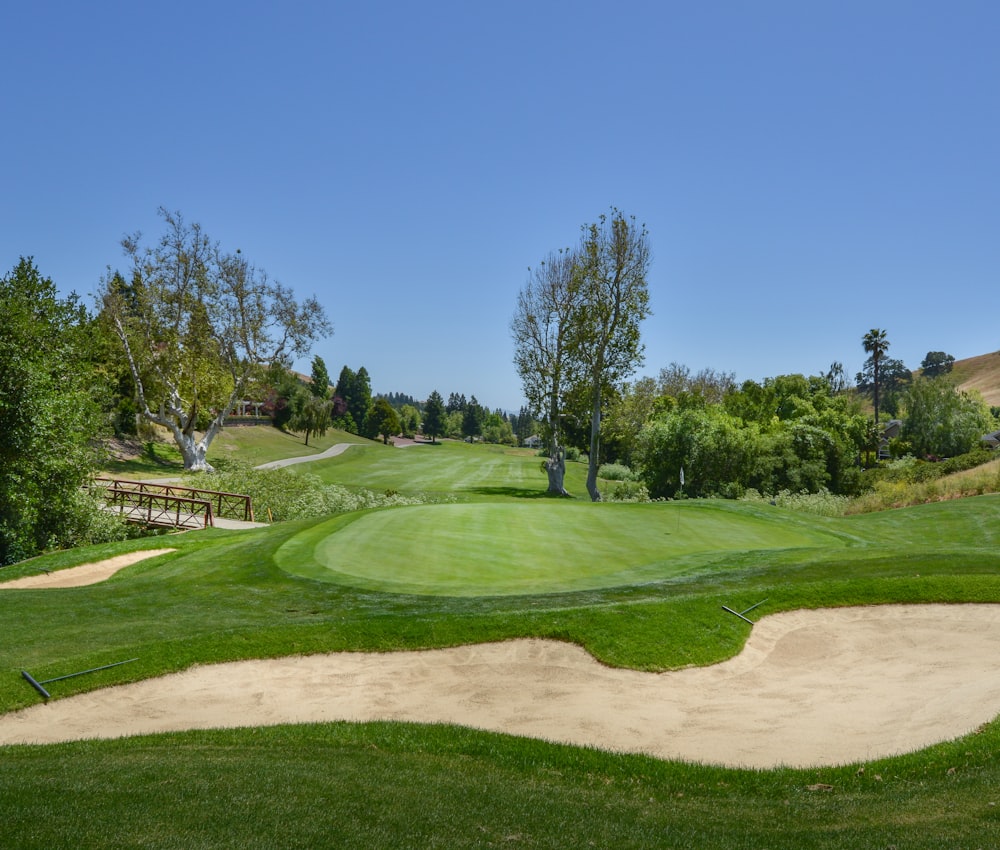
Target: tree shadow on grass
[[514, 492]]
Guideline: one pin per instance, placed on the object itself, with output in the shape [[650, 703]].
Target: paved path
[[333, 451]]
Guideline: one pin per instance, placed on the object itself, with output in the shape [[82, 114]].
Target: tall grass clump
[[823, 503], [615, 472]]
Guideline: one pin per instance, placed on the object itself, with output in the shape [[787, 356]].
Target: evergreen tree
[[320, 386], [434, 416], [360, 399], [472, 419]]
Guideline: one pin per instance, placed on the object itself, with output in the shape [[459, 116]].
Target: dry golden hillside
[[980, 373]]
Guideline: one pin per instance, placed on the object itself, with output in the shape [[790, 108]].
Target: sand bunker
[[810, 688], [84, 574]]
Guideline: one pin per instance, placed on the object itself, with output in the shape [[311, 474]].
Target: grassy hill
[[980, 373]]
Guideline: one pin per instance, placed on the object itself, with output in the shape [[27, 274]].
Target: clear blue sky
[[806, 170]]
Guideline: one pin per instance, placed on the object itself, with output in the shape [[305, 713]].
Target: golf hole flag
[[682, 476]]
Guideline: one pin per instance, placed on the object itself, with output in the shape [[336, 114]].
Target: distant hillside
[[980, 373]]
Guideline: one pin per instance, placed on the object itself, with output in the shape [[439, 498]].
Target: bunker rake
[[38, 686]]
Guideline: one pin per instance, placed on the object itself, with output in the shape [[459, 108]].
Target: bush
[[615, 472], [628, 491], [823, 503]]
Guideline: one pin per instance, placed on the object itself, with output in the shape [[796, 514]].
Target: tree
[[200, 328], [941, 420], [409, 420], [540, 329], [894, 378], [383, 419], [434, 416], [456, 403], [310, 414], [876, 344], [48, 418], [320, 386], [472, 419], [610, 300], [836, 377], [936, 363]]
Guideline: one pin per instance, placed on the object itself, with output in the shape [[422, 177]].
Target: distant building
[[991, 440], [891, 431], [532, 442]]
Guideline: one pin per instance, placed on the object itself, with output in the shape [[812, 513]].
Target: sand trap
[[84, 574], [811, 688]]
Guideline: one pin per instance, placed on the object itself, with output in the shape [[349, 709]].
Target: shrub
[[615, 472], [628, 491], [823, 503]]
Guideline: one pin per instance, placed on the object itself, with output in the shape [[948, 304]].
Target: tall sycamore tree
[[610, 300], [540, 330], [576, 329], [199, 327]]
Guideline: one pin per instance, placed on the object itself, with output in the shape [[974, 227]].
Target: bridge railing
[[190, 507]]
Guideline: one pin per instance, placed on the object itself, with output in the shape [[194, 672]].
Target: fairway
[[549, 547]]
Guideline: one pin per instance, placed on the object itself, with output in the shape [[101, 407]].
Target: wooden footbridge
[[172, 506]]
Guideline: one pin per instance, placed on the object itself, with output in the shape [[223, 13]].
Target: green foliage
[[822, 503], [627, 491], [320, 379], [434, 416], [199, 328], [48, 417], [382, 419], [472, 419], [615, 472], [876, 344], [409, 420], [716, 452], [310, 414], [941, 420], [936, 363], [280, 494], [357, 392]]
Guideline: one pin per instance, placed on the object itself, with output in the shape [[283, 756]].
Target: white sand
[[84, 574], [811, 688]]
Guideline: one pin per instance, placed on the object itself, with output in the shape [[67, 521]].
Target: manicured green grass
[[225, 595], [531, 548], [471, 472]]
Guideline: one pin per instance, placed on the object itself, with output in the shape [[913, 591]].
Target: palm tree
[[876, 345]]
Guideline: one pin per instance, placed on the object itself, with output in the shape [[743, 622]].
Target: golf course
[[488, 666]]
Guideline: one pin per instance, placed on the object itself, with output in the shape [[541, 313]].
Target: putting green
[[503, 549]]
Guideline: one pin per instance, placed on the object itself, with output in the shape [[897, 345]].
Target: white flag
[[682, 476]]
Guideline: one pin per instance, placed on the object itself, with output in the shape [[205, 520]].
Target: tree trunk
[[555, 466], [595, 445], [194, 452]]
